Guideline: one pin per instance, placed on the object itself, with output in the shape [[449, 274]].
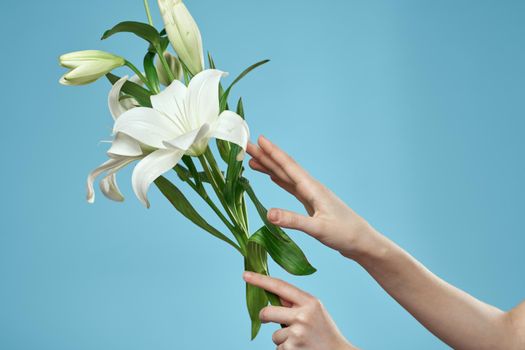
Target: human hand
[[309, 326], [330, 220]]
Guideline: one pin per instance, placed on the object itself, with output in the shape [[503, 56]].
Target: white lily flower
[[181, 122], [88, 66], [183, 33], [123, 151]]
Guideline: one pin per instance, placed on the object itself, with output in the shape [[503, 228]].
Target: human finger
[[277, 314], [290, 219], [263, 158], [277, 286], [285, 162], [256, 165], [280, 336]]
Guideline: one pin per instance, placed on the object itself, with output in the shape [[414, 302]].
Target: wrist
[[366, 244]]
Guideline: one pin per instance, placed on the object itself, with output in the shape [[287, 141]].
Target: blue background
[[411, 111]]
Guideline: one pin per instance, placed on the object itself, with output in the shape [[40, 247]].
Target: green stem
[[146, 6], [239, 234], [139, 73], [236, 214], [217, 211], [240, 213], [215, 186], [193, 170], [215, 167], [244, 211], [159, 52], [212, 205]]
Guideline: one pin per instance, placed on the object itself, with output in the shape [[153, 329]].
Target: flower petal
[[69, 80], [231, 127], [130, 102], [147, 126], [185, 141], [124, 146], [110, 166], [202, 100], [115, 106], [89, 70], [150, 168], [171, 102], [108, 186]]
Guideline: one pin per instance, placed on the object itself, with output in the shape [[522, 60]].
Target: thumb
[[289, 219]]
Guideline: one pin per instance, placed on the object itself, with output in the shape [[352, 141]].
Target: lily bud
[[87, 66], [183, 33], [174, 66]]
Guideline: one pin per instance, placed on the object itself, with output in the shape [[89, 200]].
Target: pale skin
[[457, 318]]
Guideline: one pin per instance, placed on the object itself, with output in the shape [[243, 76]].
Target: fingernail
[[247, 274], [273, 215]]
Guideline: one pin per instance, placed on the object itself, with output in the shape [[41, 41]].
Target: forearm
[[454, 316]]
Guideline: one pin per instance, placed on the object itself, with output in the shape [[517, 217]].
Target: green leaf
[[179, 201], [224, 149], [221, 93], [246, 71], [198, 177], [256, 298], [138, 92], [224, 97], [183, 173], [261, 210], [210, 61], [223, 146], [186, 71], [163, 32], [243, 209], [234, 166], [287, 254], [240, 108], [237, 166], [186, 173], [164, 42], [151, 71], [274, 300], [142, 30]]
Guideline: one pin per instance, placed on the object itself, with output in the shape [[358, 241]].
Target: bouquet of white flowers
[[169, 128]]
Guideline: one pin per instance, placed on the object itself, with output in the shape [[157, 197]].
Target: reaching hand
[[460, 320], [330, 220], [309, 326]]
